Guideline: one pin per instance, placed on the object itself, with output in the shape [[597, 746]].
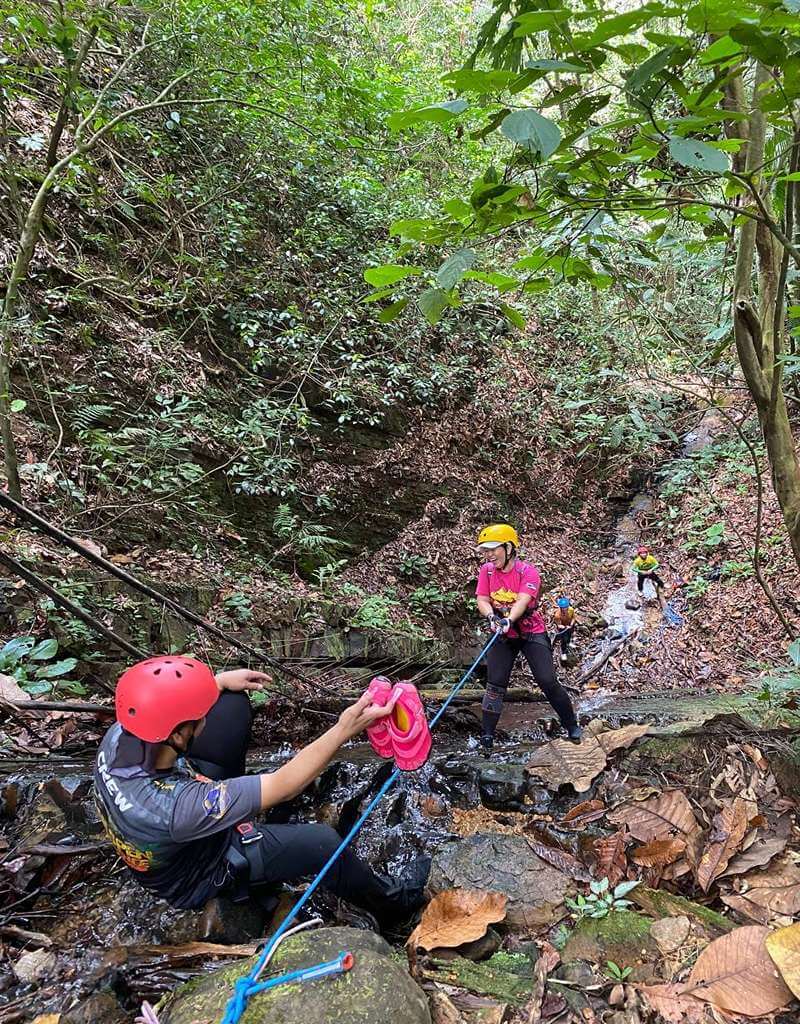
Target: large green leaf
[[533, 132], [469, 80], [454, 268], [764, 47], [622, 25], [58, 668], [721, 51], [432, 303], [532, 23], [389, 273], [639, 84], [434, 113], [502, 282], [513, 316], [392, 311], [43, 650], [697, 155], [719, 16], [557, 65]]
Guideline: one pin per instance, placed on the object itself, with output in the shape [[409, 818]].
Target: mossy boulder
[[377, 989], [622, 936], [504, 863]]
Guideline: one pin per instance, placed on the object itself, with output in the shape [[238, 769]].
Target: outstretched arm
[[295, 775]]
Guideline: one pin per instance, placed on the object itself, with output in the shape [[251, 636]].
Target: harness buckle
[[248, 833]]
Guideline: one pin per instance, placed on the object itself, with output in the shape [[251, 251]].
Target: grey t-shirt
[[172, 828]]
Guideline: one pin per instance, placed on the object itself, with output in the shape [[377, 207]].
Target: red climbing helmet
[[642, 551], [155, 696]]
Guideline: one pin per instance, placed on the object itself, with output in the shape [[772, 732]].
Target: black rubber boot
[[487, 743]]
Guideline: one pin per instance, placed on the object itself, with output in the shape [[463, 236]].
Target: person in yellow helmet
[[508, 595]]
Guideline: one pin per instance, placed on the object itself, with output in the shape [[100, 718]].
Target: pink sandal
[[408, 728], [380, 690]]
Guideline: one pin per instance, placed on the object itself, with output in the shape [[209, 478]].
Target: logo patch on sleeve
[[215, 802]]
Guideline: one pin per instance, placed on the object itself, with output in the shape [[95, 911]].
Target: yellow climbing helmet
[[498, 533]]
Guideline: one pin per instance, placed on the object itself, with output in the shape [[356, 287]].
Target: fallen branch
[[612, 649], [64, 602], [76, 706]]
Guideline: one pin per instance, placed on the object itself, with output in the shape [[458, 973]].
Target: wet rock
[[633, 605], [377, 989], [539, 800], [501, 785], [622, 936], [397, 809], [433, 807], [579, 973], [100, 1006], [231, 923], [507, 864], [457, 781], [36, 966], [670, 933]]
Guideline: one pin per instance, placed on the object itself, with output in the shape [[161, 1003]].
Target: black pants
[[500, 660], [564, 637], [658, 583], [285, 853]]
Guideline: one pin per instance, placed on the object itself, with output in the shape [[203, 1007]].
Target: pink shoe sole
[[380, 690], [408, 729]]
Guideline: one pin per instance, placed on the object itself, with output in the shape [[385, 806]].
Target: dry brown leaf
[[666, 814], [735, 973], [756, 757], [47, 1018], [659, 853], [757, 856], [11, 690], [561, 761], [560, 859], [583, 813], [761, 894], [673, 1006], [727, 833], [615, 739], [783, 946], [457, 916], [611, 860]]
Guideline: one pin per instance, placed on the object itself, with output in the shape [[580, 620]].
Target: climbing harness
[[248, 985]]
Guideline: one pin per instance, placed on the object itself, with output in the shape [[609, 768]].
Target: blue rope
[[246, 985]]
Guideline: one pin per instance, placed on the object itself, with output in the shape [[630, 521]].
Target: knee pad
[[493, 700]]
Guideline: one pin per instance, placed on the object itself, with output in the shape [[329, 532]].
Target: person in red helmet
[[173, 797]]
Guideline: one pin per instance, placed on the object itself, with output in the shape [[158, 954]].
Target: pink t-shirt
[[503, 589]]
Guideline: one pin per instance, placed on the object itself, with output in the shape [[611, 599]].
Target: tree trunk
[[758, 334]]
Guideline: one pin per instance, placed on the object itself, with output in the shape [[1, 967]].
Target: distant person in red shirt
[[508, 595]]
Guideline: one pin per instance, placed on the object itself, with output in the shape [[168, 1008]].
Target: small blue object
[[246, 986], [563, 602], [672, 617]]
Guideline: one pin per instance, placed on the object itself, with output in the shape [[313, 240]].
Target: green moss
[[620, 927], [665, 904], [506, 976], [670, 750]]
